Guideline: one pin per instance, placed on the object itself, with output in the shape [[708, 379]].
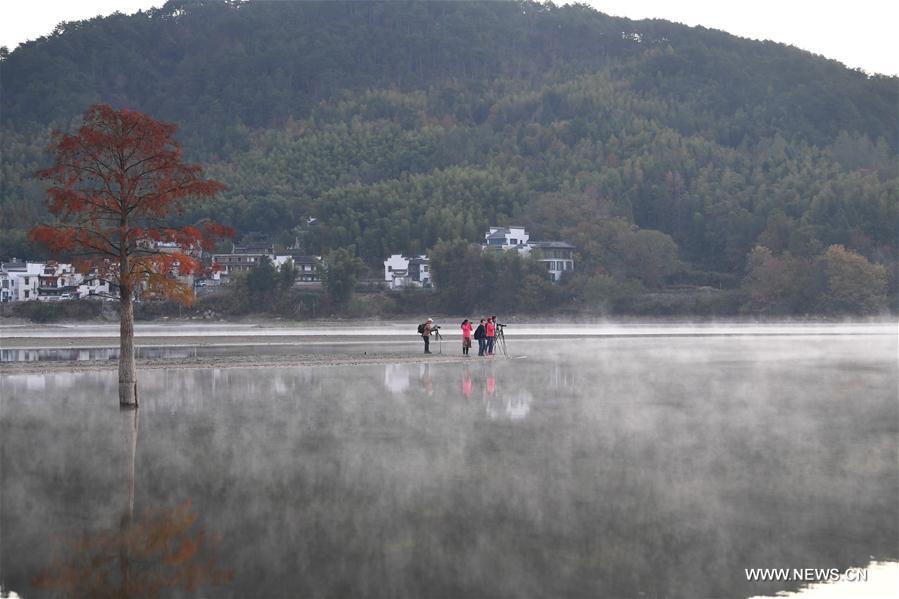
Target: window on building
[[27, 293], [26, 280]]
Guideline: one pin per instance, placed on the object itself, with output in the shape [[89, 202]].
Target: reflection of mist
[[162, 551], [560, 377], [35, 382], [513, 408], [639, 460], [397, 377]]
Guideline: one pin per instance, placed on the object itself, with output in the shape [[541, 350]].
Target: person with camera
[[426, 329], [490, 330], [466, 336]]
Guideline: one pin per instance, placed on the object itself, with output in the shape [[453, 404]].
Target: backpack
[[421, 329]]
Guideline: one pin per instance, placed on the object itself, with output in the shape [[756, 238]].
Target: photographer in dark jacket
[[426, 334], [481, 335]]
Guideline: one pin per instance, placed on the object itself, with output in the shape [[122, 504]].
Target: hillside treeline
[[667, 154]]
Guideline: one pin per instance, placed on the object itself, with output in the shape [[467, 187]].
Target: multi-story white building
[[93, 286], [19, 281], [556, 256], [400, 271], [506, 237], [58, 281], [306, 267], [228, 264]]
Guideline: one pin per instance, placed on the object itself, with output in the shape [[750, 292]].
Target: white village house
[[47, 282], [556, 256], [307, 267], [58, 281], [400, 271], [19, 280], [506, 237], [249, 254]]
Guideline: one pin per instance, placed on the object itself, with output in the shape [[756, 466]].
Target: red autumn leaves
[[116, 185]]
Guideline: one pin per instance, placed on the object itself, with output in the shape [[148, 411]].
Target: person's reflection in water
[[162, 551], [489, 391], [466, 382], [427, 383]]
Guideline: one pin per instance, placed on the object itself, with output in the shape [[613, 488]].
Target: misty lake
[[631, 466]]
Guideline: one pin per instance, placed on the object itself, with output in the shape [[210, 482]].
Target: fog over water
[[450, 328], [620, 466]]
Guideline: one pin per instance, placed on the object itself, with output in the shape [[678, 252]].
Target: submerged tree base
[[128, 395]]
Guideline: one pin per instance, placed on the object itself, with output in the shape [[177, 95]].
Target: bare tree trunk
[[127, 368]]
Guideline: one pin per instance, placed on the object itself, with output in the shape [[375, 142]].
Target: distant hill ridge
[[209, 63]]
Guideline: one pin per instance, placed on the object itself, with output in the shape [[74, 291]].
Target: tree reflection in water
[[164, 550]]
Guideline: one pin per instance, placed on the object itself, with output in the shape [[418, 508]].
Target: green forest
[[696, 172]]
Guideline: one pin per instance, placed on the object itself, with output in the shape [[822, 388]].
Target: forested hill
[[214, 64], [398, 124]]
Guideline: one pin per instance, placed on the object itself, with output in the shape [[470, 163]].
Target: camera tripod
[[439, 338], [499, 340]]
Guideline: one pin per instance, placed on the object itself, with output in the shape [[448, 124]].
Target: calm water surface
[[622, 467]]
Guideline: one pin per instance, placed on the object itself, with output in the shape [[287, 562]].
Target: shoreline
[[235, 346]]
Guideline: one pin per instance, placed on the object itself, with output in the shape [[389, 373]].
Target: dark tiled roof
[[304, 259], [14, 265]]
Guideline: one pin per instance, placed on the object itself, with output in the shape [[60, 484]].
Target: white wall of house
[[556, 256], [279, 261], [506, 237], [395, 266], [94, 286], [400, 271], [557, 268], [8, 292], [21, 284], [423, 275]]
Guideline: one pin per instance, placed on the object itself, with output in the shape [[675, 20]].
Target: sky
[[858, 33]]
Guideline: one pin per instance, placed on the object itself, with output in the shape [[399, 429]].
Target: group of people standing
[[485, 334]]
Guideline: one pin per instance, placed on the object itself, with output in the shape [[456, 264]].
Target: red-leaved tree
[[116, 187]]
